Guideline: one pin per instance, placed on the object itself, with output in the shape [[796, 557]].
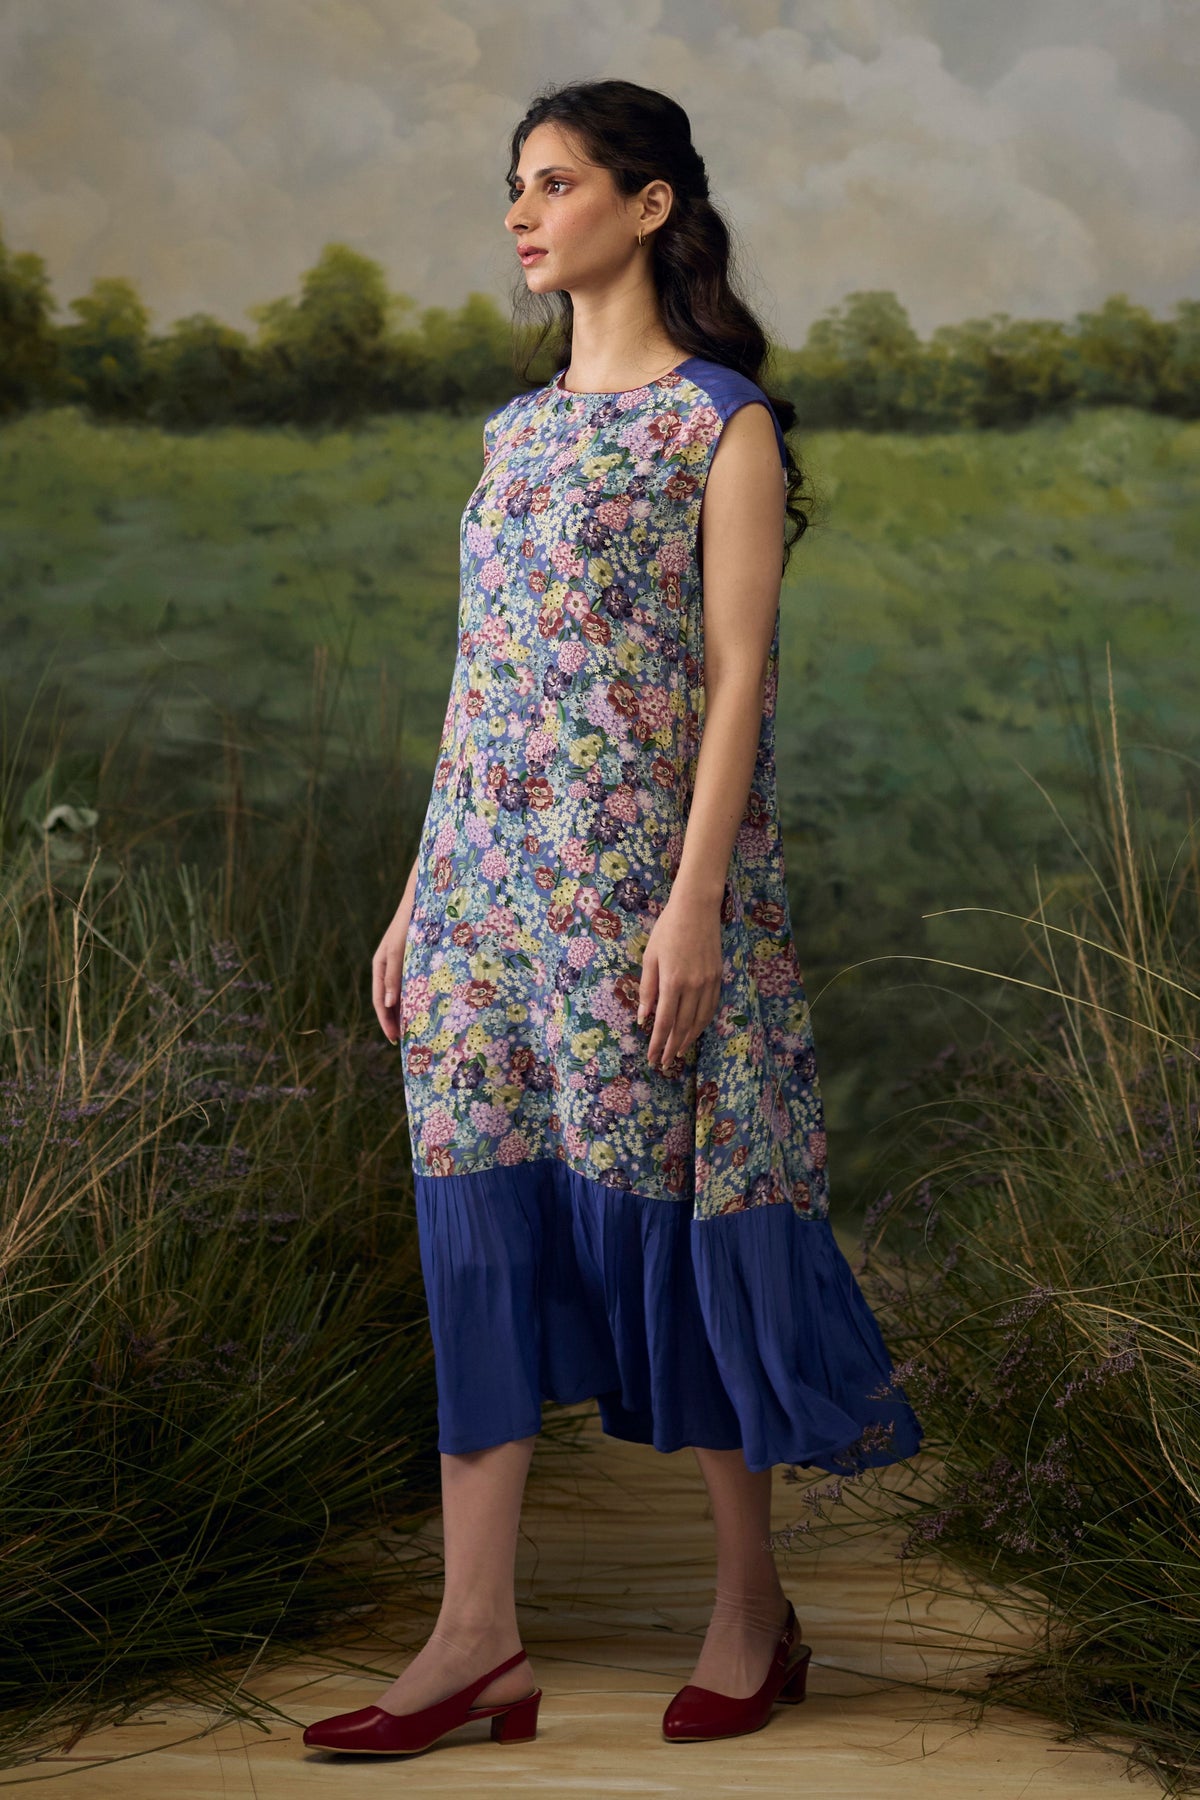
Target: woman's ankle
[[470, 1631], [758, 1608]]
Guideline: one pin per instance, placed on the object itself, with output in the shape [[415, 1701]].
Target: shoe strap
[[510, 1662]]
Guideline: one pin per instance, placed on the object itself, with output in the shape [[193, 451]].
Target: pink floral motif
[[622, 803], [440, 1125], [618, 1095], [674, 555], [566, 559], [654, 709], [513, 1148], [576, 855]]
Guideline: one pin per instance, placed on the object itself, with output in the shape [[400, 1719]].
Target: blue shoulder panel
[[728, 390]]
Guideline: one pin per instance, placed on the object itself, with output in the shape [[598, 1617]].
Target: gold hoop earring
[[639, 239]]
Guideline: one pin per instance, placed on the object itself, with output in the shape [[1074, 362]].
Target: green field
[[941, 625]]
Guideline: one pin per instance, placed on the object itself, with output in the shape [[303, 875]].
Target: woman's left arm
[[741, 529]]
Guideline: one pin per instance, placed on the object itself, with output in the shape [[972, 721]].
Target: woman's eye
[[514, 193]]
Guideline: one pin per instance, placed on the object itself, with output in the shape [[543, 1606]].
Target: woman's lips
[[528, 256]]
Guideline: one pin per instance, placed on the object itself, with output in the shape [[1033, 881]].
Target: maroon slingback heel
[[698, 1713], [372, 1731]]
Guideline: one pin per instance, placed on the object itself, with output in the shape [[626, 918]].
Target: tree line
[[348, 347]]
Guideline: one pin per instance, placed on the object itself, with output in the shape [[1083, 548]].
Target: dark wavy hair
[[640, 135]]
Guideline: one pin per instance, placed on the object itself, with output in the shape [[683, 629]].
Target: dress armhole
[[760, 400], [736, 405]]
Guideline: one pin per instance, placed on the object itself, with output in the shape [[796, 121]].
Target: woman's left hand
[[681, 976]]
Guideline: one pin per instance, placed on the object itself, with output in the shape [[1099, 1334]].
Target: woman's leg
[[476, 1627], [751, 1606]]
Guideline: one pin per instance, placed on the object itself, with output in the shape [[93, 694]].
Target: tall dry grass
[[217, 1397], [1038, 1278]]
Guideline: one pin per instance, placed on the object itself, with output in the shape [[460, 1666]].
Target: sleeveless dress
[[590, 1226]]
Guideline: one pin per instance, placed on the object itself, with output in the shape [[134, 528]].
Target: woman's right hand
[[385, 968]]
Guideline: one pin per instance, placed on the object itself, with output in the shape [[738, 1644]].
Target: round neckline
[[610, 393]]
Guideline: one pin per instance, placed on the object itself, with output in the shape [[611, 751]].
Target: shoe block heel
[[792, 1690], [519, 1722]]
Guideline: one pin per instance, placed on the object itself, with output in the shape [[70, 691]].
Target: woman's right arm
[[387, 961]]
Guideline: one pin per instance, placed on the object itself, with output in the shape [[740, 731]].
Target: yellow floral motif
[[630, 657], [486, 966], [601, 571], [613, 865], [592, 466], [586, 1043], [442, 980], [602, 1154], [566, 890], [583, 751], [474, 1038]]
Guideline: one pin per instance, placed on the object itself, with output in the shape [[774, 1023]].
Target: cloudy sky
[[1032, 156]]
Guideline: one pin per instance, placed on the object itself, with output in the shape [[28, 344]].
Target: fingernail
[[389, 998]]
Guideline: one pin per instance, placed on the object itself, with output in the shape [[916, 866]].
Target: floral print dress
[[590, 1225]]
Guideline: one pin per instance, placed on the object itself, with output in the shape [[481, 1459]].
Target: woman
[[616, 1121]]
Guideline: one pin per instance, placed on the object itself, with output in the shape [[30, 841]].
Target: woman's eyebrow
[[555, 169]]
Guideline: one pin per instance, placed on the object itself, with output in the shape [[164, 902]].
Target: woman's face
[[571, 211]]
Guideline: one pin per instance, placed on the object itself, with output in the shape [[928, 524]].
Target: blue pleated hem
[[747, 1331]]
